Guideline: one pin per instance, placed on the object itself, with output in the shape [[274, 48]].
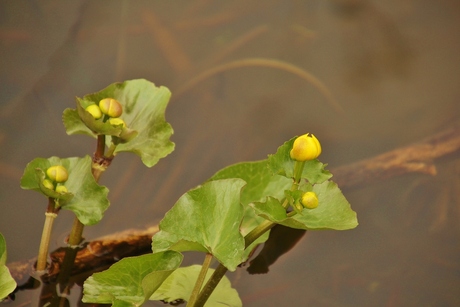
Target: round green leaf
[[260, 183], [144, 105], [179, 285], [208, 216], [132, 280], [87, 199]]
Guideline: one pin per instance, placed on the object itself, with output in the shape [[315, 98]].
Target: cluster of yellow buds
[[57, 175], [109, 107]]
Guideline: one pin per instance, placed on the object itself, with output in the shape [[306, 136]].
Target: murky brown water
[[392, 66]]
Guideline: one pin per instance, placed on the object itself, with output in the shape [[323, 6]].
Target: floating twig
[[268, 63]]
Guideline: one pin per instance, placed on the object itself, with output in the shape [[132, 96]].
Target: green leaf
[[144, 107], [206, 218], [7, 283], [180, 283], [132, 280], [260, 183], [282, 164], [333, 211], [87, 199]]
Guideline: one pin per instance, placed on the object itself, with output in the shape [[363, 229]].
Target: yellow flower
[[57, 173], [306, 147], [94, 110], [309, 200], [117, 122], [111, 107], [61, 189]]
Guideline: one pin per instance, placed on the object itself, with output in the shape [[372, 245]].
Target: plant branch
[[50, 216], [200, 279], [210, 285], [76, 233]]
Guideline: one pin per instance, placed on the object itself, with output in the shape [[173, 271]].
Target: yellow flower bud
[[111, 107], [117, 121], [94, 110], [309, 200], [57, 173], [48, 184], [306, 147], [61, 189]]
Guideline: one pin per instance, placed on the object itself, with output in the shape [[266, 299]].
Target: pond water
[[393, 71]]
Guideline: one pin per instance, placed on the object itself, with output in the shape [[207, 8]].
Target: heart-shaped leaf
[[132, 280], [260, 183], [333, 211], [85, 197], [282, 164], [179, 286], [7, 283], [206, 218], [144, 105]]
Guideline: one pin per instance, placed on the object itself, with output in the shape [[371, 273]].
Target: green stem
[[210, 285], [76, 234], [50, 216], [257, 232], [111, 150], [298, 169], [200, 280], [221, 270]]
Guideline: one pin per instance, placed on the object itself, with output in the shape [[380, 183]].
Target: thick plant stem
[[100, 147], [50, 216], [200, 280], [257, 232], [210, 285], [76, 234]]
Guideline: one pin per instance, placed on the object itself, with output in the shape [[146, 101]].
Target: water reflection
[[392, 66]]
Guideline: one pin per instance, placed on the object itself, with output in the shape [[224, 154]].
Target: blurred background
[[364, 76]]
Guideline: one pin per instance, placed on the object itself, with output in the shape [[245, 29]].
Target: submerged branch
[[415, 158]]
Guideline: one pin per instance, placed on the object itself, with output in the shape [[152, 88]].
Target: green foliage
[[180, 283], [144, 105], [282, 164], [206, 218], [333, 211], [260, 183], [7, 283], [236, 207], [132, 280], [87, 199]]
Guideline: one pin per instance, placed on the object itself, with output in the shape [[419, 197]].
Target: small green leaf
[[180, 283], [207, 217], [132, 280], [282, 164], [87, 199], [261, 183], [333, 211], [144, 105], [7, 283]]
